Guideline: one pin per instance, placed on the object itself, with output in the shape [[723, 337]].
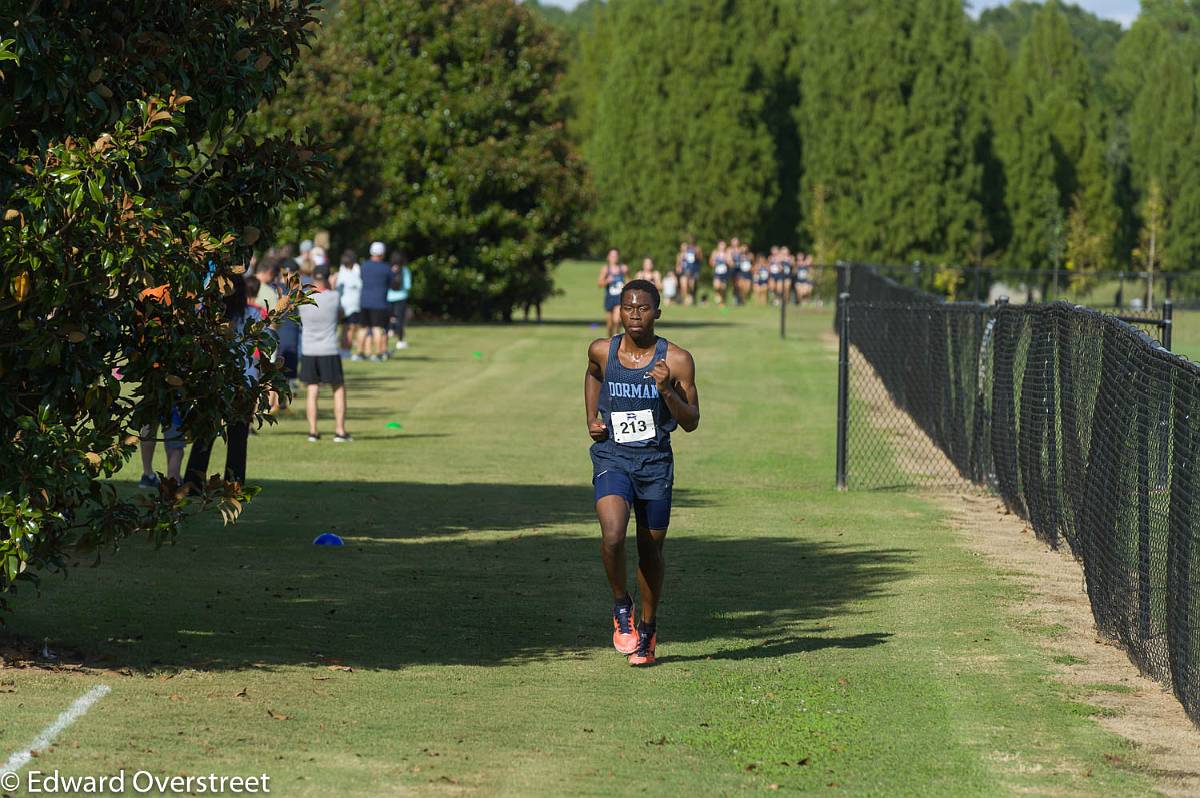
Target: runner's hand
[[597, 430], [661, 373]]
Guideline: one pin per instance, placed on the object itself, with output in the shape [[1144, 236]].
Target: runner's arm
[[592, 380], [602, 279], [683, 400]]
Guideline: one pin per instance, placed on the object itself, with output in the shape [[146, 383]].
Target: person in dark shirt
[[376, 312]]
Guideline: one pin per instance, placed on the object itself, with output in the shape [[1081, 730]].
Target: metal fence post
[[1168, 322], [783, 303], [843, 418]]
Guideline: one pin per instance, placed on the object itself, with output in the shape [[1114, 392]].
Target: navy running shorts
[[650, 513]]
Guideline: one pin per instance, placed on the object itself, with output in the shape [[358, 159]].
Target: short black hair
[[642, 285]]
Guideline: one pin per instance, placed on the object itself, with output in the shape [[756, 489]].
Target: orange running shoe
[[625, 636], [644, 655]]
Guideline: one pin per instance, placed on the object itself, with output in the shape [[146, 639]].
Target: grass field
[[459, 644]]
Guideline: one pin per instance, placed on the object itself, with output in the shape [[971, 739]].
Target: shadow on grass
[[482, 574]]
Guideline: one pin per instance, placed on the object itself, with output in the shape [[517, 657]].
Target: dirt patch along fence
[[1083, 424]]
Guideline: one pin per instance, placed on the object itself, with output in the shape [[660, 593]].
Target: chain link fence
[[1085, 426]]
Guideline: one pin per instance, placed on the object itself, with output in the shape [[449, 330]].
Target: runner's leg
[[613, 514], [651, 568]]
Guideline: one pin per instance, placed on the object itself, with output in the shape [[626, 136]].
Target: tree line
[[1037, 136]]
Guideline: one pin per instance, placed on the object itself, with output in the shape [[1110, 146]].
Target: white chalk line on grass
[[73, 713]]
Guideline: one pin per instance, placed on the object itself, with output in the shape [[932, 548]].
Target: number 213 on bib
[[632, 426]]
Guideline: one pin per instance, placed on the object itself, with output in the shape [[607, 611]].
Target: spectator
[[172, 443], [267, 272], [237, 431], [252, 289], [172, 432], [305, 255], [376, 277], [288, 331], [670, 287], [321, 364], [397, 295], [348, 282]]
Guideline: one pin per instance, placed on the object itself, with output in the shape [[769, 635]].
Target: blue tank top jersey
[[624, 390]]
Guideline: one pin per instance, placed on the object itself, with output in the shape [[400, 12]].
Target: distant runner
[[612, 279]]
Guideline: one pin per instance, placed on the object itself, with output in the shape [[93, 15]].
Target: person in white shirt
[[348, 282]]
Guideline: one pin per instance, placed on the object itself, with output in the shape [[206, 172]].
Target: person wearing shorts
[[689, 268], [173, 443], [376, 312], [802, 284], [320, 363], [347, 281], [637, 389], [762, 277], [612, 279], [722, 261]]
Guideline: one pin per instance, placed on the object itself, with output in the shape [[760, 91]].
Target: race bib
[[614, 289], [802, 274], [746, 265], [691, 257], [632, 426], [721, 268]]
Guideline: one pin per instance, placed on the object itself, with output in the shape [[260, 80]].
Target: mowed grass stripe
[[809, 638]]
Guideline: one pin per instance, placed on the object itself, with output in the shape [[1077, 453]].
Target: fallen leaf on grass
[[276, 715], [345, 668], [242, 693]]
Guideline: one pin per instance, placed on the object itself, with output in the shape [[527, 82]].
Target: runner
[[689, 270], [649, 273], [783, 281], [762, 277], [802, 285], [744, 276], [638, 387], [612, 279], [774, 269], [720, 260]]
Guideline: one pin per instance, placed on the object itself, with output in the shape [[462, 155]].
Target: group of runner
[[739, 276]]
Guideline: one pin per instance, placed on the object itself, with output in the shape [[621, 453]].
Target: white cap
[[305, 246], [378, 249], [318, 256]]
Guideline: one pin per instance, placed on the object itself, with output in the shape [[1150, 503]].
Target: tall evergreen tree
[[1155, 83], [1050, 139], [937, 176], [890, 141], [1098, 37], [992, 237], [678, 144]]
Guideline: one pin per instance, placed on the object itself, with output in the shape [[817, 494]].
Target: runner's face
[[638, 312]]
